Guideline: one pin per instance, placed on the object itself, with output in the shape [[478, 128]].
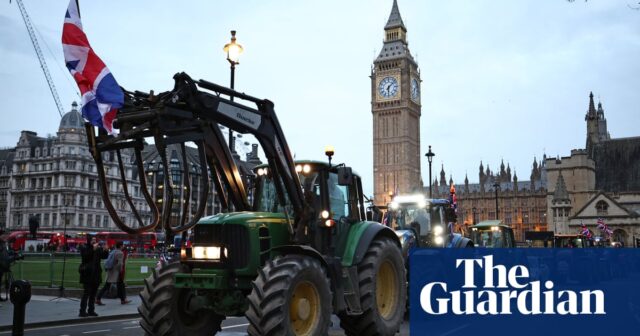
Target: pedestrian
[[90, 274], [115, 275]]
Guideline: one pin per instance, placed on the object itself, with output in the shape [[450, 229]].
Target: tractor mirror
[[345, 176]]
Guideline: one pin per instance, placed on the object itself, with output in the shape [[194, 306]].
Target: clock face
[[415, 89], [388, 87]]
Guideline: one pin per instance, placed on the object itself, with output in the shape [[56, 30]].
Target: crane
[[43, 62]]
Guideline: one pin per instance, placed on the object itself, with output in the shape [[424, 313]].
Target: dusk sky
[[501, 79]]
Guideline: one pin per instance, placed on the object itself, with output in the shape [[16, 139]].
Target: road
[[233, 326]]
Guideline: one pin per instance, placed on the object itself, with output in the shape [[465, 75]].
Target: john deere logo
[[506, 291]]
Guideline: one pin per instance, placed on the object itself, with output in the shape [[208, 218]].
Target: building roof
[[395, 20], [72, 119]]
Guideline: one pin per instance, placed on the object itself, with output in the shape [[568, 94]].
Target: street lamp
[[430, 156], [233, 51], [496, 186]]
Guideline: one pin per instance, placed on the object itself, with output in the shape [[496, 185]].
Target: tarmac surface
[[45, 310]]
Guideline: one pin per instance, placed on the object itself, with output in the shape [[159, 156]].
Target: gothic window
[[602, 208]]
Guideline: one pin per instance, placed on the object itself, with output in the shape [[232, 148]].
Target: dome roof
[[72, 119]]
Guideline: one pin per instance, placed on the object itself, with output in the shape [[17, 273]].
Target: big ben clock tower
[[395, 105]]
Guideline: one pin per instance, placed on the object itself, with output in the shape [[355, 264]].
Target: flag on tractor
[[585, 232], [101, 94], [604, 228]]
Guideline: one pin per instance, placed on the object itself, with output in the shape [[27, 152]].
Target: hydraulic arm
[[193, 112]]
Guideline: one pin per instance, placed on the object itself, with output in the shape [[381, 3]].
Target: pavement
[[48, 310]]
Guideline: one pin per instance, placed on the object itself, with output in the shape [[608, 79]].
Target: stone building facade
[[521, 204], [54, 179], [396, 110], [601, 181]]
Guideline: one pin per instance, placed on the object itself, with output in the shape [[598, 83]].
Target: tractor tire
[[383, 292], [291, 296], [163, 308]]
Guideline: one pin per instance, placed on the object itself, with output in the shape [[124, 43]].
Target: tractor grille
[[232, 236]]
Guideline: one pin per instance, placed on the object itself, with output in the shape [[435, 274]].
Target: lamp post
[[233, 51], [496, 186], [430, 156]]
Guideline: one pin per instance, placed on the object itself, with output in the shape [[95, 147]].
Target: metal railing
[[45, 269]]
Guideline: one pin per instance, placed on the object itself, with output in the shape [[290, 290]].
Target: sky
[[502, 79]]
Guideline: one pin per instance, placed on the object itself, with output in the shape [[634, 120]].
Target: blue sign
[[540, 292]]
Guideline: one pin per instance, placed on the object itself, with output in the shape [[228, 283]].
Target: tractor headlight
[[208, 252], [437, 230]]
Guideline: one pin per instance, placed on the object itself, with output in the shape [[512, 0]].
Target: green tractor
[[297, 247]]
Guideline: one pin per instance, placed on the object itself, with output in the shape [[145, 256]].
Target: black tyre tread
[[366, 324], [267, 301], [157, 299]]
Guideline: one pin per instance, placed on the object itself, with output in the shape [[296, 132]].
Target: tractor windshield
[[488, 238], [413, 217], [266, 197]]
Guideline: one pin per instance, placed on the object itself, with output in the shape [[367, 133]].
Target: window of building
[[81, 219], [81, 201], [69, 181], [32, 201], [105, 221], [54, 219], [45, 220], [602, 208]]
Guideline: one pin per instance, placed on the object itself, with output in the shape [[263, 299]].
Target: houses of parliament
[[601, 181]]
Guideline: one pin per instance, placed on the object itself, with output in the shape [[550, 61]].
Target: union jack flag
[[584, 231], [101, 94], [604, 228]]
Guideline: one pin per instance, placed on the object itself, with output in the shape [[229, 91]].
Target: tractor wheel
[[383, 292], [165, 309], [291, 296]]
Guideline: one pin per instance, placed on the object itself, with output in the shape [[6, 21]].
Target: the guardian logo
[[506, 291]]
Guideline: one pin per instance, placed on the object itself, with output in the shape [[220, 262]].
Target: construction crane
[[43, 62]]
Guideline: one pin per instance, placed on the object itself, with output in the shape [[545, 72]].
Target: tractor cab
[[423, 222], [492, 234]]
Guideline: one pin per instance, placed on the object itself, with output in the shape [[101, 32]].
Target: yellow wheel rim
[[304, 309], [387, 290]]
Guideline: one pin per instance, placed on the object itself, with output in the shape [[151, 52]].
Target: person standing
[[90, 274], [115, 275]]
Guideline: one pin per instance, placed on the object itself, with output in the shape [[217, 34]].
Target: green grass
[[44, 270]]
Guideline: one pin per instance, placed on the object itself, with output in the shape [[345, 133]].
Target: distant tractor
[[492, 234], [423, 222]]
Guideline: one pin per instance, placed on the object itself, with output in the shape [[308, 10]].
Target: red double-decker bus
[[16, 239], [145, 241]]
